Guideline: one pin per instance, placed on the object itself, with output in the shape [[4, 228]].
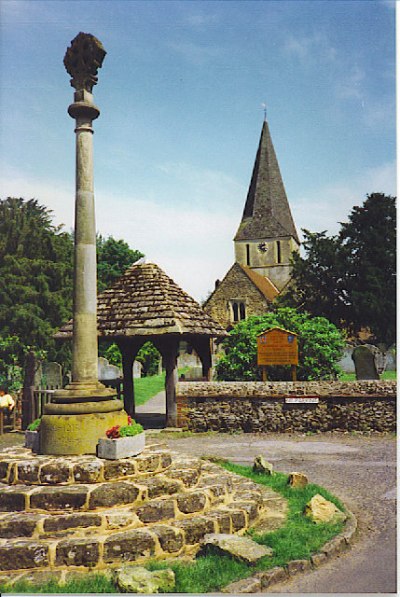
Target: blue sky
[[180, 94]]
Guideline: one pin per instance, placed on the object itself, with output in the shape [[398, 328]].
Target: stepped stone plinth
[[75, 514]]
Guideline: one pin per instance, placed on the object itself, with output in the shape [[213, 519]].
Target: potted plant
[[32, 436], [122, 441]]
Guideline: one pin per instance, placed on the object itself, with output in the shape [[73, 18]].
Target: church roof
[[144, 301], [264, 284], [266, 212]]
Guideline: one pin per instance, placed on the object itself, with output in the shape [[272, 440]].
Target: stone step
[[22, 468], [98, 550]]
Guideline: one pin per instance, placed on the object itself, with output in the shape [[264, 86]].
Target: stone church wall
[[236, 286], [263, 407]]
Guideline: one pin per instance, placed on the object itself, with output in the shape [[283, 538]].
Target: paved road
[[360, 470]]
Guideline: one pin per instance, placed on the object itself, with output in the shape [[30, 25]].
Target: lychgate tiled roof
[[266, 213], [147, 302]]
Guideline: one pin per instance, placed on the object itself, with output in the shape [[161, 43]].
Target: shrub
[[320, 347]]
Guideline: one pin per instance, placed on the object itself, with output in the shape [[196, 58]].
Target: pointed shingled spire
[[266, 212]]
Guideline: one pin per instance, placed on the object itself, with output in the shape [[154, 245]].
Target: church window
[[278, 252], [238, 310], [247, 254]]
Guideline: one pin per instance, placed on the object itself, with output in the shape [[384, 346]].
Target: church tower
[[267, 235]]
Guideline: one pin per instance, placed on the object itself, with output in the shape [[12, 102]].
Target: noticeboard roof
[[276, 328]]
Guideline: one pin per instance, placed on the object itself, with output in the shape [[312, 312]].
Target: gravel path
[[360, 470]]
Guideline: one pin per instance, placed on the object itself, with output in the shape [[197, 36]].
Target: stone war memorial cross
[[83, 411]]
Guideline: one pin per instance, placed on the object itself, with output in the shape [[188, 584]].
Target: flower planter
[[121, 447], [32, 440]]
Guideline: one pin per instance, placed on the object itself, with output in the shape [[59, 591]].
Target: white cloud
[[195, 53], [312, 48], [331, 204]]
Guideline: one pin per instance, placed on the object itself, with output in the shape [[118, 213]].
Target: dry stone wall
[[268, 406]]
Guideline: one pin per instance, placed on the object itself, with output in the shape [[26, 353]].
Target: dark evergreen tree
[[350, 278]]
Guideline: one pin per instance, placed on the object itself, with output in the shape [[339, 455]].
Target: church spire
[[266, 213]]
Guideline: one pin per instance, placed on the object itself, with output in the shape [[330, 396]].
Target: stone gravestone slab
[[364, 362], [107, 371], [52, 375]]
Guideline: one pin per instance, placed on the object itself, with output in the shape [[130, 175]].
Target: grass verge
[[147, 387], [385, 376], [299, 538]]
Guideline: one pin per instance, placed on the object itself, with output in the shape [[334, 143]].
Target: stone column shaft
[[85, 345]]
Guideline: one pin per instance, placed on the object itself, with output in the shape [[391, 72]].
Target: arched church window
[[235, 312], [242, 311], [247, 254]]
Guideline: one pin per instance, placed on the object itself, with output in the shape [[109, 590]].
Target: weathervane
[[264, 107]]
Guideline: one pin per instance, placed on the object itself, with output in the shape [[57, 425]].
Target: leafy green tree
[[320, 347], [35, 274], [350, 278], [150, 357], [113, 258]]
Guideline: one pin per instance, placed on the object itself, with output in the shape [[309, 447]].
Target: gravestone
[[364, 362], [48, 375], [106, 371]]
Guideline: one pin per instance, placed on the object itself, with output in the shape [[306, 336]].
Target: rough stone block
[[251, 508], [245, 585], [118, 519], [59, 498], [88, 472], [195, 528], [241, 548], [18, 525], [223, 520], [77, 552], [128, 546], [296, 566], [171, 539], [55, 472], [192, 502], [70, 521], [113, 494], [24, 554], [12, 499], [321, 510], [28, 471], [135, 579], [160, 485], [148, 463], [4, 469], [318, 559], [334, 546], [238, 519], [270, 577], [119, 468], [156, 510], [297, 480], [189, 477]]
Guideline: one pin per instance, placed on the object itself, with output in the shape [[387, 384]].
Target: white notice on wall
[[302, 400]]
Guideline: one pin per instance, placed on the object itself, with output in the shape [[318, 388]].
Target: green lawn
[[386, 375], [147, 387]]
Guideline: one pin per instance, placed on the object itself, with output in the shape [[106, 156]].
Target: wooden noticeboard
[[277, 347]]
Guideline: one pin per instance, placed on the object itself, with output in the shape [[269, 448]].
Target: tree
[[36, 279], [320, 347], [35, 275], [350, 278], [113, 258]]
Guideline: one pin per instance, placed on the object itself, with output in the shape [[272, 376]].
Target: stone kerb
[[263, 406]]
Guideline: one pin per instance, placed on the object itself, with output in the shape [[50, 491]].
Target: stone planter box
[[32, 440], [122, 447]]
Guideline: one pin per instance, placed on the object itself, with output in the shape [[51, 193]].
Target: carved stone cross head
[[83, 59]]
